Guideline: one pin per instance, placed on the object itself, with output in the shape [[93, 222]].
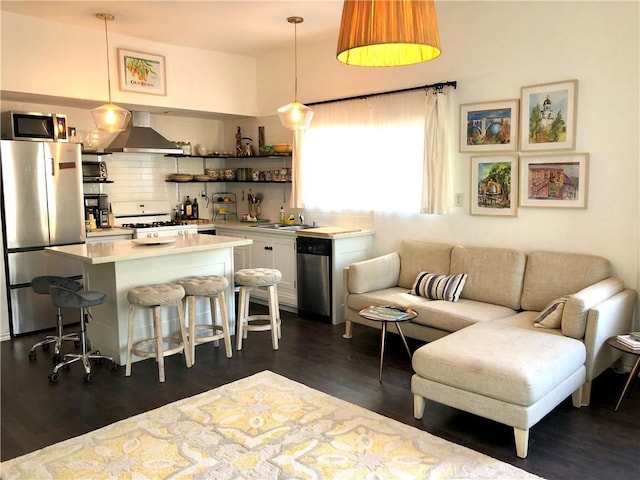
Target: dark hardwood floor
[[588, 443]]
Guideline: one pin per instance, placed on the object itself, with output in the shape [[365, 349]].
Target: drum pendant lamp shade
[[109, 117], [382, 33], [295, 115]]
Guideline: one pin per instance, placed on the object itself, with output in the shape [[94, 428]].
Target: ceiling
[[239, 27]]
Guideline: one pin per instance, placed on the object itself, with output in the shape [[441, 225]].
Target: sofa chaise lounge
[[527, 331]]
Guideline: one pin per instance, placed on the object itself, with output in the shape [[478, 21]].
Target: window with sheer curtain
[[367, 154]]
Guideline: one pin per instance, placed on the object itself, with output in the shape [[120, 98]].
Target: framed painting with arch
[[489, 126], [494, 185]]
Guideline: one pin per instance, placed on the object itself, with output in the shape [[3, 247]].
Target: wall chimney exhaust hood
[[139, 137]]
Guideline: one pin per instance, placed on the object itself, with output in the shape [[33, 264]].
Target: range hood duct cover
[[139, 137]]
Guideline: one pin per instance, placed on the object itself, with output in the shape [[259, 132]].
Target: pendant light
[[295, 115], [388, 33], [109, 117]]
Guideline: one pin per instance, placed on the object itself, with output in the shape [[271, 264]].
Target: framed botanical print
[[489, 126], [548, 116], [494, 185], [141, 72], [554, 180]]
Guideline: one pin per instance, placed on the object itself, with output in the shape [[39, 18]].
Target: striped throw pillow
[[551, 315], [439, 287]]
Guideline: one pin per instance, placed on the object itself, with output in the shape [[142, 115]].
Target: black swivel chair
[[82, 299], [41, 286]]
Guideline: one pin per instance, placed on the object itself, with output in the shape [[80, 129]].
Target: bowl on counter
[[282, 147]]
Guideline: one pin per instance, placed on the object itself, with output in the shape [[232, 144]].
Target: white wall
[[493, 49]]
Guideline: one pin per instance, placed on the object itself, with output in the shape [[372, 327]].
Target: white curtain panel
[[369, 154], [439, 137]]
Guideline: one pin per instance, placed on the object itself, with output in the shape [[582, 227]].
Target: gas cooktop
[[170, 223]]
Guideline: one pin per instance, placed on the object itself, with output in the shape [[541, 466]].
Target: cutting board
[[328, 231]]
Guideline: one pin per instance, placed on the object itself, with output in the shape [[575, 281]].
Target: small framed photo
[[141, 72], [489, 126], [554, 180], [494, 185], [549, 116]]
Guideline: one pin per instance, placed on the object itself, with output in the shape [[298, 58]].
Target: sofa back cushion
[[551, 275], [417, 256], [494, 275]]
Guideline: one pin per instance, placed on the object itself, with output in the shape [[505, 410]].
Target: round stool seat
[[258, 277], [155, 295], [65, 298], [203, 285]]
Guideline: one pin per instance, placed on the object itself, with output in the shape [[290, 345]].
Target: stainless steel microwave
[[37, 127]]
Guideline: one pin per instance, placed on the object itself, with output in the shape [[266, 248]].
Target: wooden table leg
[[632, 375]]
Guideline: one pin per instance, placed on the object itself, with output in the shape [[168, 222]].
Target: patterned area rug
[[261, 427]]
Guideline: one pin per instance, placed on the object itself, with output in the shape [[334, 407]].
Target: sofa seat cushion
[[440, 314], [501, 361]]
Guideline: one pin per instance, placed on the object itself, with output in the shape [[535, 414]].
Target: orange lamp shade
[[383, 33]]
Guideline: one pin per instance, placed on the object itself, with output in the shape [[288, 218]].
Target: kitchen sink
[[281, 226], [294, 227], [269, 225]]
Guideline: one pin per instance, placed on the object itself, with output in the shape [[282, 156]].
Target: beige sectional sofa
[[484, 353]]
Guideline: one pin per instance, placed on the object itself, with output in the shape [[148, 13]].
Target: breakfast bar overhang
[[117, 266]]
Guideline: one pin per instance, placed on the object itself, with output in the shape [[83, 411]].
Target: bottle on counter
[[195, 208], [188, 208], [282, 214]]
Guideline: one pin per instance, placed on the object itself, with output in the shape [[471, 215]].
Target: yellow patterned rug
[[261, 427]]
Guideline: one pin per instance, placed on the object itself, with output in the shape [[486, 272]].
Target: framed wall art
[[489, 126], [549, 116], [141, 72], [494, 185], [554, 180]]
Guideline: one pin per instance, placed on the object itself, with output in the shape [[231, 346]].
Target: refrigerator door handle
[[53, 167]]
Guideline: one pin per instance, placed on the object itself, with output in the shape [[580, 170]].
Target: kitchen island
[[117, 266]]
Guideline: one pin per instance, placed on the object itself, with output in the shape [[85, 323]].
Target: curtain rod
[[437, 86]]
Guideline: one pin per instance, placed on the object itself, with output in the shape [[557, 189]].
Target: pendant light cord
[[295, 61], [106, 17]]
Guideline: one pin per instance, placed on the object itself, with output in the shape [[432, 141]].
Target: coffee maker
[[98, 206]]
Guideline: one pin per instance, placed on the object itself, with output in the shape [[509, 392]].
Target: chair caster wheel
[[86, 378], [55, 359], [32, 354], [53, 378]]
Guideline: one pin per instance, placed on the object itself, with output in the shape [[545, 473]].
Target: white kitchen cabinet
[[268, 251], [277, 251]]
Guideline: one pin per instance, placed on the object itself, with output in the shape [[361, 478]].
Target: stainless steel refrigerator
[[41, 195]]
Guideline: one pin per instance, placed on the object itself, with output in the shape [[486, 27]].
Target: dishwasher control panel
[[313, 246]]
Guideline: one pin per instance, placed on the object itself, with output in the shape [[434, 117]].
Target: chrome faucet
[[301, 218]]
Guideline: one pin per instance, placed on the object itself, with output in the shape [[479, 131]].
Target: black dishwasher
[[314, 278]]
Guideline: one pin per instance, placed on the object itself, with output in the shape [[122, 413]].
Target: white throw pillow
[[551, 315], [439, 287]]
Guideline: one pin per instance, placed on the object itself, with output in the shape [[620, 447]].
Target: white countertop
[[325, 231], [120, 250]]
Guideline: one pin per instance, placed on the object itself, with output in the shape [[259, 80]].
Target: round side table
[[369, 313], [613, 341]]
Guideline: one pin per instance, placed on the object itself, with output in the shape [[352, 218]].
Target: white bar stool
[[213, 287], [156, 297], [249, 279]]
